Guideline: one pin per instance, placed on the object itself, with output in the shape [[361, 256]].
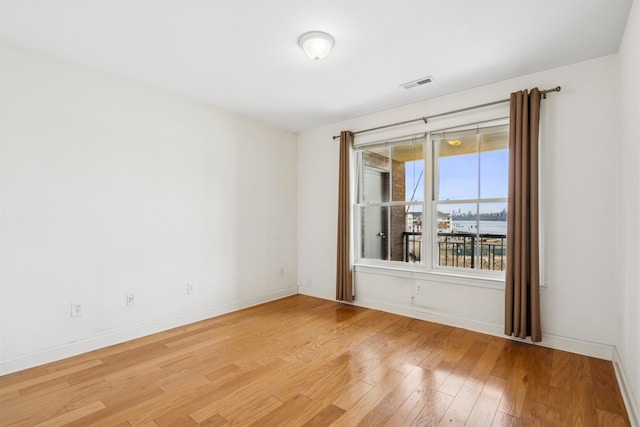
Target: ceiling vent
[[421, 81]]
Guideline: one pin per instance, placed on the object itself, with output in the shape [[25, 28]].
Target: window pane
[[494, 164], [458, 168], [464, 216], [493, 218], [411, 249], [375, 175], [407, 172], [457, 232], [392, 233], [374, 222], [492, 242]]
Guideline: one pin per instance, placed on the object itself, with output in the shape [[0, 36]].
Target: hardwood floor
[[302, 361]]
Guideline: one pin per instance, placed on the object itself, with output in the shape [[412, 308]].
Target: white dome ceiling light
[[316, 44]]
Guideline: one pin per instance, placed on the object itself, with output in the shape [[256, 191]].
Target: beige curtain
[[344, 275], [522, 293]]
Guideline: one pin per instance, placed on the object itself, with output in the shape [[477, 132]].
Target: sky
[[459, 178]]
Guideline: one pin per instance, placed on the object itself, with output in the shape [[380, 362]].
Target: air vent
[[416, 83]]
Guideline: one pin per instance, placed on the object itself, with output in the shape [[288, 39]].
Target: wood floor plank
[[352, 395], [433, 359], [533, 414], [513, 397], [73, 415], [255, 412], [411, 407], [432, 412], [485, 408], [306, 361], [561, 370], [609, 419], [53, 376], [282, 413], [463, 369], [370, 400], [507, 359], [456, 345], [504, 420], [325, 417], [347, 368], [607, 394], [146, 412], [583, 411], [488, 359], [559, 408], [392, 401], [536, 363], [235, 390], [580, 369], [462, 405]]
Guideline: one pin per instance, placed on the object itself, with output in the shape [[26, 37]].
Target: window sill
[[459, 279]]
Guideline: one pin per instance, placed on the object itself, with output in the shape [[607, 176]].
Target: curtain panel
[[522, 289], [344, 273]]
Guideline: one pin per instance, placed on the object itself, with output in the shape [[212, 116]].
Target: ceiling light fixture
[[454, 142], [316, 44]]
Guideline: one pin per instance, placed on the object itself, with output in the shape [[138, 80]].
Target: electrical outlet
[[191, 288], [418, 288], [131, 299], [281, 271], [76, 309]]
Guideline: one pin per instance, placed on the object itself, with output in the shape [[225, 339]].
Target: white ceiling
[[243, 56]]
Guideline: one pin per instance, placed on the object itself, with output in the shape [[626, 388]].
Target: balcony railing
[[461, 249]]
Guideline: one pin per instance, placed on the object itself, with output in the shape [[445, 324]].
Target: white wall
[[111, 188], [580, 137], [627, 209]]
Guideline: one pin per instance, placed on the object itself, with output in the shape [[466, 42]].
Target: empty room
[[315, 213]]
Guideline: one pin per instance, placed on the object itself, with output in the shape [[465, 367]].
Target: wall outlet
[[418, 288], [131, 299], [191, 288], [76, 309], [281, 271]]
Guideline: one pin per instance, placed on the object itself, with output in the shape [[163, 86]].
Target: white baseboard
[[633, 407], [572, 345], [118, 336]]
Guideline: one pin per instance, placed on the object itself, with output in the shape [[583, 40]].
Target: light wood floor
[[305, 361]]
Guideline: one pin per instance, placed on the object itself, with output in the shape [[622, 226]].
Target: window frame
[[429, 252], [357, 206]]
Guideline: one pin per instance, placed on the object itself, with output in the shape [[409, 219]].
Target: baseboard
[[572, 345], [118, 336], [421, 313], [633, 408]]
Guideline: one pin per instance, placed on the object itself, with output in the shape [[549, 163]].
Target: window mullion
[[389, 236], [477, 252], [429, 211]]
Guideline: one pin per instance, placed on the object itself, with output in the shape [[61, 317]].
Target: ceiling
[[243, 56]]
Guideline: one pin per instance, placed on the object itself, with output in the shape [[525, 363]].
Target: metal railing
[[461, 249]]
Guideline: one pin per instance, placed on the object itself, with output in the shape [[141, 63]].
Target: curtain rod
[[424, 119]]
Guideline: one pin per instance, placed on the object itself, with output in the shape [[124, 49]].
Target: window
[[391, 199], [436, 201]]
